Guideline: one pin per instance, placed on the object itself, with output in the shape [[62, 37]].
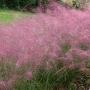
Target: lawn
[[8, 16]]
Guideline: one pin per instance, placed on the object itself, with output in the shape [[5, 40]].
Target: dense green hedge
[[17, 4]]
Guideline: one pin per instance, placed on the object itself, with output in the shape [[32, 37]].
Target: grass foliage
[[55, 78], [8, 16]]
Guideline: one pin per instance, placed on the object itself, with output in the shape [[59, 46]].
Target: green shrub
[[19, 4], [16, 4]]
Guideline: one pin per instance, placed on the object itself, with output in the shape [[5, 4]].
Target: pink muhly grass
[[3, 85], [60, 34], [43, 35], [29, 75], [12, 81]]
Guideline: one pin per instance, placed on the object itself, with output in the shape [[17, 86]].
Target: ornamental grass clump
[[7, 68], [61, 34], [51, 79], [54, 78], [10, 73]]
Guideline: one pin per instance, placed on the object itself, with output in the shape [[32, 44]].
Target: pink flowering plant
[[48, 51]]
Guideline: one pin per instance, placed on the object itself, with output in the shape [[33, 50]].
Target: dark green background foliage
[[17, 4]]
